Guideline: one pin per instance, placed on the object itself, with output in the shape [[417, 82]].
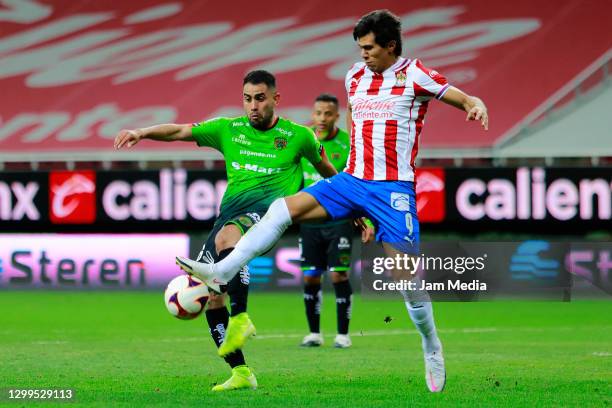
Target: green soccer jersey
[[261, 165], [337, 150]]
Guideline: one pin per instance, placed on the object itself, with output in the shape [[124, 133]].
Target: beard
[[261, 124]]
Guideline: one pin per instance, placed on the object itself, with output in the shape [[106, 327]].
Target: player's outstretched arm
[[475, 107], [163, 133]]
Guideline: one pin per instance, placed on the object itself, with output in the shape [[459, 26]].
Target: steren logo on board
[[280, 143]]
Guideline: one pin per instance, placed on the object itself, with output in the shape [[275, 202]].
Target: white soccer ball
[[186, 297]]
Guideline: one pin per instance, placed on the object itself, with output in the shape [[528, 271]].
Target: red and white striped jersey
[[388, 112]]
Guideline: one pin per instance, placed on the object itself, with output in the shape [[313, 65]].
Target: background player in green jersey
[[327, 246], [262, 157]]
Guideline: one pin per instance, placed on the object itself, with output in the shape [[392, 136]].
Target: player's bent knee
[[227, 237]]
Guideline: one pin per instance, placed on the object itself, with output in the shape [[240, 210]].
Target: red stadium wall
[[74, 73]]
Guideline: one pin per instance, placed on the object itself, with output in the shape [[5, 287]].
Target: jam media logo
[[72, 197], [527, 263], [431, 198]]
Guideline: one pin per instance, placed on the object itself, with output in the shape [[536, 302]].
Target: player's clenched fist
[[127, 137]]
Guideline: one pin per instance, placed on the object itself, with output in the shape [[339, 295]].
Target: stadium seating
[[76, 73]]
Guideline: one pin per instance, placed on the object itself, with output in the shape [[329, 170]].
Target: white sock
[[261, 237], [420, 310]]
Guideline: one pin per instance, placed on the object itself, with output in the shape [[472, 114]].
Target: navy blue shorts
[[391, 205], [326, 247]]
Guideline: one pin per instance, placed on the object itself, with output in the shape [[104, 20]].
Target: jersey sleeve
[[209, 133], [429, 82], [311, 148], [351, 80]]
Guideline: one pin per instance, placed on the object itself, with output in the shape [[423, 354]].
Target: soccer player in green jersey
[[327, 246], [262, 158]]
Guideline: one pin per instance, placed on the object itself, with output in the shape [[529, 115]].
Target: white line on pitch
[[373, 333]]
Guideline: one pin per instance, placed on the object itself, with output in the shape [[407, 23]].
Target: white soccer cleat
[[202, 271], [312, 340], [435, 372], [342, 341]]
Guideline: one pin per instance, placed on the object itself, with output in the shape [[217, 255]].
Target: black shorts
[[326, 248], [243, 221]]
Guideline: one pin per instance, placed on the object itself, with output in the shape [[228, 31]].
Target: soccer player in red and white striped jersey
[[387, 111], [388, 97]]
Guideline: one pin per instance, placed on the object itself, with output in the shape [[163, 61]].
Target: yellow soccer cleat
[[239, 329], [242, 379]]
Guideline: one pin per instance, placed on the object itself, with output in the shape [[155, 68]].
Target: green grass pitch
[[124, 349]]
